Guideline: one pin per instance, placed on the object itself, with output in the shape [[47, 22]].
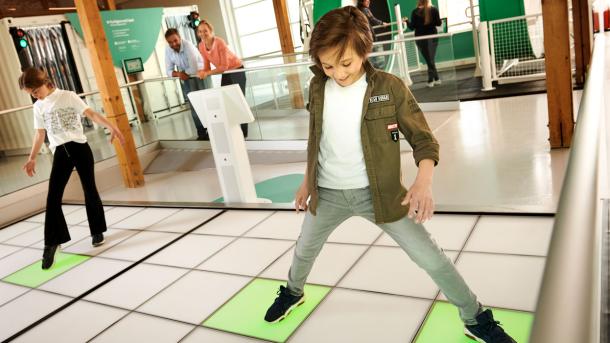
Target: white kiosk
[[221, 111]]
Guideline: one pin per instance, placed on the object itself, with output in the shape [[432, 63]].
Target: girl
[[424, 20], [353, 167], [214, 50], [57, 112]]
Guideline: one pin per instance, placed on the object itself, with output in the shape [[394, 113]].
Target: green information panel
[[130, 33]]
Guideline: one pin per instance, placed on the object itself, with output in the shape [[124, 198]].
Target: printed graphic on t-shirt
[[61, 120]]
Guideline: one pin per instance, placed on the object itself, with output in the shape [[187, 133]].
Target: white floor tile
[[190, 251], [507, 281], [449, 231], [76, 217], [112, 237], [512, 235], [78, 323], [387, 318], [6, 250], [246, 256], [281, 225], [85, 276], [8, 292], [202, 334], [133, 288], [355, 230], [183, 220], [85, 222], [138, 246], [66, 209], [39, 218], [77, 233], [16, 230], [138, 327], [195, 296], [332, 263], [18, 260], [143, 219], [27, 238], [27, 309], [119, 213], [233, 223], [390, 270]]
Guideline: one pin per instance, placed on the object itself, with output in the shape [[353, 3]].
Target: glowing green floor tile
[[33, 275], [245, 312], [278, 189], [443, 325]]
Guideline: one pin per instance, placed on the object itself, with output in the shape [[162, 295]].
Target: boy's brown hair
[[342, 27], [33, 78]]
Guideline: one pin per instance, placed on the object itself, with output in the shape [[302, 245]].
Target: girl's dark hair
[[33, 78], [341, 27], [360, 4]]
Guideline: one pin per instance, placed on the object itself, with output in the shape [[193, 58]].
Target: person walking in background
[[424, 20], [182, 60], [354, 168], [363, 5], [57, 113], [215, 51]]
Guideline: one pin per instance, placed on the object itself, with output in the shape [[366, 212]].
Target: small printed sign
[[379, 98]]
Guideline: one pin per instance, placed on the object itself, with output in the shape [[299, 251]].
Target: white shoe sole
[[299, 303], [471, 336]]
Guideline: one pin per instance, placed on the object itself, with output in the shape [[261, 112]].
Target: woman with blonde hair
[[215, 51], [424, 20]]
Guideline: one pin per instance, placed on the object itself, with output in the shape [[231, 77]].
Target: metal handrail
[[295, 64], [568, 305]]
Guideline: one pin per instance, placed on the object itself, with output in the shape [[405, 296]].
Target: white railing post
[[485, 58], [403, 63]]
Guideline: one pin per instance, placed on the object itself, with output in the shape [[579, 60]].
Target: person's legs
[[432, 45], [332, 210], [240, 79], [83, 160], [423, 250], [55, 227], [422, 45], [187, 87]]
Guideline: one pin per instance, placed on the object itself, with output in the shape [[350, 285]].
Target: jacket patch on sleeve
[[379, 98]]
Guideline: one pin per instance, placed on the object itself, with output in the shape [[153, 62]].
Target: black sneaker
[[283, 305], [97, 239], [487, 330], [48, 256]]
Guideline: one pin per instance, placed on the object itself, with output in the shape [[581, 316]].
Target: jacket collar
[[368, 69]]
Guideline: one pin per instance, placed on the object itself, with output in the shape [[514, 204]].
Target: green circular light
[[197, 21], [23, 43]]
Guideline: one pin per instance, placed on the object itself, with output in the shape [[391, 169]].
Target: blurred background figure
[[424, 20]]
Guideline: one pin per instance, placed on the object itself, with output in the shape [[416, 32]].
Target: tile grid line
[[187, 271], [243, 235], [74, 300], [421, 325], [372, 244]]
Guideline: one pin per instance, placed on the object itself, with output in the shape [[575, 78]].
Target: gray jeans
[[335, 206]]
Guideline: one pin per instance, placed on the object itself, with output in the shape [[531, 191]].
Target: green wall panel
[[321, 7], [500, 9]]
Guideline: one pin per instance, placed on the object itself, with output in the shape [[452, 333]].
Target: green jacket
[[388, 106]]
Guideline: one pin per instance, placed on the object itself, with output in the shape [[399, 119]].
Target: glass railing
[[277, 95]]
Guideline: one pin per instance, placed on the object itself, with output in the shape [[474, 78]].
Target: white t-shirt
[[60, 115], [340, 158]]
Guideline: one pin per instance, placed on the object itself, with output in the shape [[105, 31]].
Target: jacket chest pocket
[[381, 124]]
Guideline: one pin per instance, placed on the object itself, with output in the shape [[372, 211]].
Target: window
[[457, 13], [257, 28]]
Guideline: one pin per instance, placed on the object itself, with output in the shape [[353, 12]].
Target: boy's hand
[[421, 204], [30, 167], [203, 74], [300, 198]]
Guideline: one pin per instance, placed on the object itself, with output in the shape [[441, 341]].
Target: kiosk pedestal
[[221, 111]]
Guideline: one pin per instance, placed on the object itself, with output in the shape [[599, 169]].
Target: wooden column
[[583, 36], [95, 39], [283, 28], [558, 72], [109, 5]]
